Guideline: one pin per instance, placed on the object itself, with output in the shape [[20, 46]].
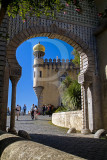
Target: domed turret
[[39, 47], [39, 50]]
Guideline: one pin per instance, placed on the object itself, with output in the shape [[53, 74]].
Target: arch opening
[[87, 66], [27, 69]]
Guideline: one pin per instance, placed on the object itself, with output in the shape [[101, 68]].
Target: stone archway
[[76, 30], [87, 67]]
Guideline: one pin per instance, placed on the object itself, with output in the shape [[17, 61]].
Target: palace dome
[[39, 47]]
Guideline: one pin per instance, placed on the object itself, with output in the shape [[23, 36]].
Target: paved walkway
[[42, 131]]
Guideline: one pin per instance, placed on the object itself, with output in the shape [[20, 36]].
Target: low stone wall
[[68, 119], [13, 147]]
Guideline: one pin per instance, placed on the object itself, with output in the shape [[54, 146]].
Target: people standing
[[24, 109], [35, 112], [46, 108], [32, 111], [8, 111], [20, 110], [43, 109], [50, 110], [17, 111]]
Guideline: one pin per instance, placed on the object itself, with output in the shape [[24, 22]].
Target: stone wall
[[102, 59], [68, 119], [101, 37]]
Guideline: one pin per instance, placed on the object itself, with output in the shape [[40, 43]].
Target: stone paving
[[42, 131]]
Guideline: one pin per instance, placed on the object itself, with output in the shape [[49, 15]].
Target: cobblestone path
[[42, 131]]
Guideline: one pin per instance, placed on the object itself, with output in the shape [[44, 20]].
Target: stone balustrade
[[71, 119]]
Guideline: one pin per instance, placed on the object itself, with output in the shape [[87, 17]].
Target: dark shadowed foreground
[[42, 131]]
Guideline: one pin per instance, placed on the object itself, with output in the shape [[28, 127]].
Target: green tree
[[66, 82], [23, 7], [76, 59], [71, 94], [37, 7]]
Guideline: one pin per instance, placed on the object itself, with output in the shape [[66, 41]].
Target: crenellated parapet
[[59, 64]]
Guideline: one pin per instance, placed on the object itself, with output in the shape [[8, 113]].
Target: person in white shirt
[[17, 111]]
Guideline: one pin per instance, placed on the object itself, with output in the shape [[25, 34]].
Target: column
[[97, 109], [85, 129], [14, 81], [4, 74], [4, 98]]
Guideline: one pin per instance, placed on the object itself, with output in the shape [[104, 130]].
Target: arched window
[[40, 73], [63, 77]]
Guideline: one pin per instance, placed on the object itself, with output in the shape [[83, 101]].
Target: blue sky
[[53, 47]]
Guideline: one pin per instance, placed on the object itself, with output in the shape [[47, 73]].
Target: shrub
[[61, 109]]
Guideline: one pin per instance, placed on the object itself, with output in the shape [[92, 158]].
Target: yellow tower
[[39, 52]]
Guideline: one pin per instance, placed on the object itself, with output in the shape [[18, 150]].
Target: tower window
[[40, 73], [62, 78]]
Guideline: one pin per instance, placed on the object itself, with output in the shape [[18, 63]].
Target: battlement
[[59, 61], [58, 64]]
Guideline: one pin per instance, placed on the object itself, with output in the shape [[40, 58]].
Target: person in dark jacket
[[43, 109]]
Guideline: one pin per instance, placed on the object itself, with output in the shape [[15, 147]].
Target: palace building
[[48, 75]]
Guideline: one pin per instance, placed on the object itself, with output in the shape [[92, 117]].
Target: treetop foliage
[[76, 59], [34, 7], [38, 7]]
